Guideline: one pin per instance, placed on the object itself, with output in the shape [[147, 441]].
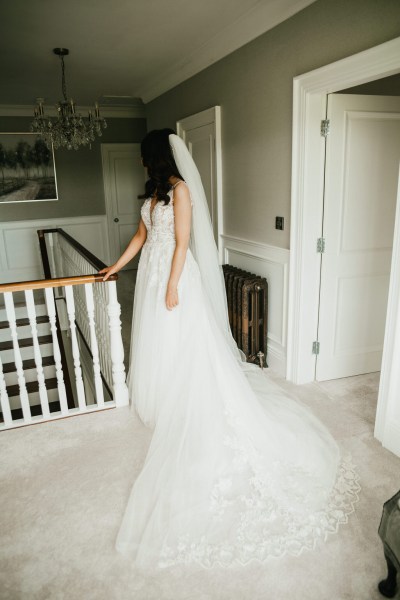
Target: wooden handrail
[[39, 284], [50, 282], [91, 258], [43, 253]]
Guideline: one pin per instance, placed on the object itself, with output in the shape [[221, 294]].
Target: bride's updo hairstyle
[[158, 159]]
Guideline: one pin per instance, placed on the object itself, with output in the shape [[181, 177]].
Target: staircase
[[61, 351], [26, 344]]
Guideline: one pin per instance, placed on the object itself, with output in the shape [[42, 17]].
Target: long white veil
[[236, 470], [202, 243]]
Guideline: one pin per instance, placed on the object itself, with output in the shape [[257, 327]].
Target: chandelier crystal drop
[[69, 129]]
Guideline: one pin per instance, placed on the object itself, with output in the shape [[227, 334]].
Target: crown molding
[[261, 18], [112, 112]]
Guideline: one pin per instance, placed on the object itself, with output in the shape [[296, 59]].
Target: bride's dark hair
[[157, 157]]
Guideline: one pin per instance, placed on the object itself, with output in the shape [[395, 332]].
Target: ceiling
[[136, 48]]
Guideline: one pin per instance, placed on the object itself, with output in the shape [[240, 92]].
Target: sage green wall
[[387, 86], [253, 85], [79, 173]]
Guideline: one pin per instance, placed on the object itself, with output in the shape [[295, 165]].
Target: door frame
[[308, 149], [206, 117]]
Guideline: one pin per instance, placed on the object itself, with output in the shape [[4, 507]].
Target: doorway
[[309, 99], [202, 134], [124, 178]]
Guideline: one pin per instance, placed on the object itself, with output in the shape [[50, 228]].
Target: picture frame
[[27, 169]]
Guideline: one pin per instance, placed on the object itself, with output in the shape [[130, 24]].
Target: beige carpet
[[64, 486]]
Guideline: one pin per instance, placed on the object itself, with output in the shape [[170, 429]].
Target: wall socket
[[279, 223]]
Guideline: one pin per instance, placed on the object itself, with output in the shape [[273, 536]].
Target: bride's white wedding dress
[[236, 469]]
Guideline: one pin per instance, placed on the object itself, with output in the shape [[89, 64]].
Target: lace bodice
[[160, 244], [160, 224]]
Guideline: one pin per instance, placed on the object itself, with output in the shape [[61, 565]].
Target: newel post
[[120, 389]]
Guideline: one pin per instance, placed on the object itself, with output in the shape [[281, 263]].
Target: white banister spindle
[[101, 327], [51, 251], [58, 257], [23, 392], [30, 305], [121, 395], [75, 264], [80, 389], [101, 303], [107, 335], [93, 345], [51, 311], [4, 400]]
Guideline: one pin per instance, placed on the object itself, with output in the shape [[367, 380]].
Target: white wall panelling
[[272, 263], [19, 246]]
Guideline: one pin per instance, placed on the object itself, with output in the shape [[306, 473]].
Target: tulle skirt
[[236, 470]]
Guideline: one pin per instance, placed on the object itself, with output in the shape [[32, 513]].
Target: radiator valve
[[261, 358]]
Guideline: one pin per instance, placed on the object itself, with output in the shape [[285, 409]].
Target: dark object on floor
[[247, 297], [389, 532]]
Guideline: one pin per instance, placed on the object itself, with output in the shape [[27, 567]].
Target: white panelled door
[[124, 178], [202, 134], [362, 166]]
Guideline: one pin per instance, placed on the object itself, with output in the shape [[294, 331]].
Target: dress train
[[236, 470]]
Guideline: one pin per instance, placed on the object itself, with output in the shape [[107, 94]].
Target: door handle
[[116, 220]]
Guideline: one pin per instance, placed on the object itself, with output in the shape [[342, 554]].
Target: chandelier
[[69, 129]]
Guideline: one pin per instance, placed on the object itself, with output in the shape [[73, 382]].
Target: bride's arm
[[183, 216], [130, 252]]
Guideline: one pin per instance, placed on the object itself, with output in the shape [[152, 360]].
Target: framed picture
[[27, 169]]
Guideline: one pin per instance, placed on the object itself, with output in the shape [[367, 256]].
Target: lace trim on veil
[[266, 526], [264, 530]]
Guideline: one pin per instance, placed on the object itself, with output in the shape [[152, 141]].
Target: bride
[[236, 469]]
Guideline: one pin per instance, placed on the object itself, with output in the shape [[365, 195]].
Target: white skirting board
[[272, 263], [19, 245]]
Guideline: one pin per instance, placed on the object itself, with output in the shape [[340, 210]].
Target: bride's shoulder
[[181, 193], [145, 204]]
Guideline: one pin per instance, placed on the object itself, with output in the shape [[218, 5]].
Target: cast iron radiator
[[247, 296]]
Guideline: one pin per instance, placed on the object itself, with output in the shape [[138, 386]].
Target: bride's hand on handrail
[[109, 271]]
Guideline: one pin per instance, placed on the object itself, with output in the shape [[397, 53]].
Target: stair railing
[[80, 306]]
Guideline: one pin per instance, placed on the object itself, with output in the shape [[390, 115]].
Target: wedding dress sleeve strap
[[173, 190]]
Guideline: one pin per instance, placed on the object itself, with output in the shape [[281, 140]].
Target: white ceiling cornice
[[261, 18], [111, 112]]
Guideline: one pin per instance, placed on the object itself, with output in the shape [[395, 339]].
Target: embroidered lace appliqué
[[160, 244], [266, 527]]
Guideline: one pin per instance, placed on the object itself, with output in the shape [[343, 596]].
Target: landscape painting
[[27, 169]]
